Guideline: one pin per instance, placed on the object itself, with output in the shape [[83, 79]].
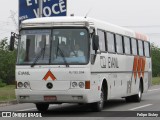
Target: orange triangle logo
[[49, 74]]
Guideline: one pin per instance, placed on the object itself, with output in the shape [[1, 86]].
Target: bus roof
[[81, 21]]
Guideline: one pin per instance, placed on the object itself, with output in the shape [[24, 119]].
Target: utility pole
[[40, 4]]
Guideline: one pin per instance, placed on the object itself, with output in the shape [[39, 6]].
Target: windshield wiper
[[62, 54], [38, 56]]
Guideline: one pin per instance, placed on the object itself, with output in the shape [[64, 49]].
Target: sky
[[139, 15]]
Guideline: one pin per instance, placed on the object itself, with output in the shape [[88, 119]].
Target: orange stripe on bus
[[139, 67], [143, 66]]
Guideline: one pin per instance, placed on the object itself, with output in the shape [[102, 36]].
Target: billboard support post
[[40, 3]]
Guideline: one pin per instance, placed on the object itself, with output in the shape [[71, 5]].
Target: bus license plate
[[50, 98]]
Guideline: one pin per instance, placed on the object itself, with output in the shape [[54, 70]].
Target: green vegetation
[[155, 54], [156, 81], [7, 63], [7, 93], [2, 84]]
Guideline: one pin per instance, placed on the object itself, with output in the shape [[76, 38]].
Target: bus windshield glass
[[34, 44], [53, 46], [70, 45]]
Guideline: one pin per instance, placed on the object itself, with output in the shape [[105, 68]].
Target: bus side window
[[140, 47], [127, 45], [134, 46], [146, 48], [101, 40], [110, 42], [119, 44]]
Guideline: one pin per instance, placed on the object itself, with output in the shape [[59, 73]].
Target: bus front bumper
[[67, 96]]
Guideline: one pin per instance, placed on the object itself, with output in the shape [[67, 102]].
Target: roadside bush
[[7, 63], [2, 84], [155, 53]]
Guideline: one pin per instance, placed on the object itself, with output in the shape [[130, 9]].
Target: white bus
[[80, 60]]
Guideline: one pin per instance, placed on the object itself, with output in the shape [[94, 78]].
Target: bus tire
[[98, 106], [138, 97], [42, 107], [129, 99]]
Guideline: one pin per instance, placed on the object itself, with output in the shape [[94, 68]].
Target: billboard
[[30, 8]]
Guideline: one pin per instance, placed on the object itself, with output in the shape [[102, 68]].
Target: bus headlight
[[23, 85], [26, 85], [77, 84], [20, 84], [81, 84], [74, 84]]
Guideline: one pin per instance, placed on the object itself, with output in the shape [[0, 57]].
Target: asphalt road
[[114, 109]]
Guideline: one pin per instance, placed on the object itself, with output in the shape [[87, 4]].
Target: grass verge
[[7, 93], [156, 81]]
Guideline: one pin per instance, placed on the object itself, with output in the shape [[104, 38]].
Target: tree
[[4, 44], [7, 62], [155, 54]]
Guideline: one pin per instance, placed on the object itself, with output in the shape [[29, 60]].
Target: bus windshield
[[67, 46]]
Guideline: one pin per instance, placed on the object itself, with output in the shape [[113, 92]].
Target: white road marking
[[140, 107], [28, 109], [153, 90]]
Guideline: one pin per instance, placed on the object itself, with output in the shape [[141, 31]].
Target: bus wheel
[[98, 106], [138, 97], [42, 107], [129, 99]]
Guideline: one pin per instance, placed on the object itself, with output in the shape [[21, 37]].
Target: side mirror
[[95, 42], [12, 40]]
